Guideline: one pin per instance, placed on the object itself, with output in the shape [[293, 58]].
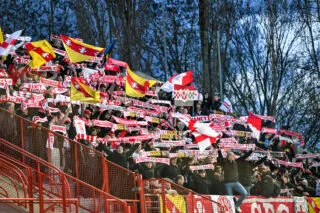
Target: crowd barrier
[[165, 196], [73, 158], [38, 186], [180, 199]]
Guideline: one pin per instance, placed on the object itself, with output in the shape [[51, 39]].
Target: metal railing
[[156, 196], [37, 185], [75, 159]]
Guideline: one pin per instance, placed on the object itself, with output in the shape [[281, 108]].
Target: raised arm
[[245, 156], [262, 160], [220, 156]]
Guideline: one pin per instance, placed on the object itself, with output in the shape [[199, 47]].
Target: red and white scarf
[[130, 122], [201, 167], [154, 160], [37, 119]]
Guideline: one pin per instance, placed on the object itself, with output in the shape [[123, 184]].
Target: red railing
[[36, 185], [77, 160], [156, 197]]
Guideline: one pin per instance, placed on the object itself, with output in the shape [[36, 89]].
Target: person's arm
[[108, 151], [131, 151], [63, 120], [245, 156], [220, 156], [260, 161]]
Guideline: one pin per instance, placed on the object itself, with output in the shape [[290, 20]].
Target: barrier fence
[[39, 186], [73, 158], [165, 196]]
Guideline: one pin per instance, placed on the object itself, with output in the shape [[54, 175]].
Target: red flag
[[182, 79], [255, 124]]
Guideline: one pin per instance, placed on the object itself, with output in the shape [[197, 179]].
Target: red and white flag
[[203, 133], [255, 124], [8, 44], [181, 79], [226, 105]]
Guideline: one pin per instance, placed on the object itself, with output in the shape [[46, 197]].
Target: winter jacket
[[245, 170], [230, 168]]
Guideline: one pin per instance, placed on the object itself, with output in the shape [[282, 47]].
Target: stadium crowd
[[132, 130]]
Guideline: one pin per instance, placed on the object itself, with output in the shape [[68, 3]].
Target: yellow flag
[[173, 203], [78, 51], [137, 86], [1, 36], [313, 204], [41, 52], [81, 92]]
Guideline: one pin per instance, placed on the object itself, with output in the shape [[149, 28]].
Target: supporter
[[147, 170], [216, 103], [267, 182], [201, 183], [119, 156], [187, 173], [245, 171], [180, 180], [231, 177], [171, 171], [217, 186], [167, 187], [206, 104]]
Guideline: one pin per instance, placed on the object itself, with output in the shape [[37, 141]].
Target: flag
[[181, 79], [41, 52], [137, 86], [81, 92], [173, 203], [78, 51], [204, 134], [15, 73], [1, 36], [117, 62], [255, 124], [226, 105], [107, 51], [8, 44]]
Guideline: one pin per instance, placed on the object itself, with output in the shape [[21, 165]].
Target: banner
[[183, 97], [223, 204], [313, 204], [300, 205], [199, 204], [255, 204], [173, 204]]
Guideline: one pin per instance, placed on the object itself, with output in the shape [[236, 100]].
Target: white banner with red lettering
[[255, 204]]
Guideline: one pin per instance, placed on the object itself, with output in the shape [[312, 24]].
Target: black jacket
[[245, 170], [267, 186], [146, 172], [201, 184], [120, 159], [170, 172], [231, 173], [217, 187]]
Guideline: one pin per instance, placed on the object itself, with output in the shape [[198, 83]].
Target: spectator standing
[[231, 178], [206, 104]]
